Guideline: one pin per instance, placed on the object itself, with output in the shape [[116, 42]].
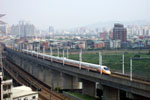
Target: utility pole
[[67, 53], [123, 64], [63, 56], [43, 51], [58, 51], [39, 47], [51, 52], [37, 51], [80, 55], [130, 69], [100, 60]]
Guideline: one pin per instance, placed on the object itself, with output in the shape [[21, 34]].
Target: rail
[[46, 93]]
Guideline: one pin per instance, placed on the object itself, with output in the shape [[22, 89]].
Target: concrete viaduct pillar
[[17, 60], [47, 76], [23, 64], [111, 93], [89, 88], [135, 97], [76, 83], [30, 68], [41, 72], [55, 79], [69, 82], [27, 66], [35, 71], [62, 80]]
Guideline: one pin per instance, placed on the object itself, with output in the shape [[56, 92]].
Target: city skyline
[[70, 14]]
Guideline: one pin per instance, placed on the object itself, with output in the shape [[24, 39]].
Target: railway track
[[45, 93], [127, 77], [114, 74]]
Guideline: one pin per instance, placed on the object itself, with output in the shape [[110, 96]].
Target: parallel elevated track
[[29, 80]]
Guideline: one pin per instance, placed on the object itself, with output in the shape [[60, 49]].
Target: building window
[[25, 98], [6, 87], [33, 97], [6, 96]]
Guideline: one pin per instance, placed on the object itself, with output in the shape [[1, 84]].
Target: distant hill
[[111, 23]]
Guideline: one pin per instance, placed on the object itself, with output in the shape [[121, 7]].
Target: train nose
[[108, 72]]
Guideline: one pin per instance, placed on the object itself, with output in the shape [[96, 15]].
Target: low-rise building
[[99, 44], [24, 93], [81, 44], [1, 78], [6, 88], [116, 44], [89, 44], [108, 44]]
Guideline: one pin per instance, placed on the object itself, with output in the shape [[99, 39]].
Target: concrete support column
[[111, 93], [47, 76], [23, 64], [76, 83], [27, 66], [55, 79], [35, 71], [89, 88], [67, 81], [30, 68], [135, 97], [41, 72], [18, 61]]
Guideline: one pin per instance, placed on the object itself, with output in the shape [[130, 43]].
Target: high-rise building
[[5, 29], [1, 22], [119, 33], [51, 29], [23, 29]]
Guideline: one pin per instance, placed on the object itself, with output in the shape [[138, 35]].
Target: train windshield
[[106, 68]]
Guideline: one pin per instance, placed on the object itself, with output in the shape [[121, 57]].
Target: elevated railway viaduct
[[57, 75]]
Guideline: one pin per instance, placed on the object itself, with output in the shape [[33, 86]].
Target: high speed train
[[85, 65]]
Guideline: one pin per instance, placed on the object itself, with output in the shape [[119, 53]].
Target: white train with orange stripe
[[85, 65]]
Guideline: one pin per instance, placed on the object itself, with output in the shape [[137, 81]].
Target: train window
[[106, 68]]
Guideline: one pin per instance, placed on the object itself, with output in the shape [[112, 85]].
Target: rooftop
[[22, 91], [6, 82]]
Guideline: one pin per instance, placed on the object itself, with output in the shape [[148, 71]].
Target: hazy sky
[[73, 13]]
